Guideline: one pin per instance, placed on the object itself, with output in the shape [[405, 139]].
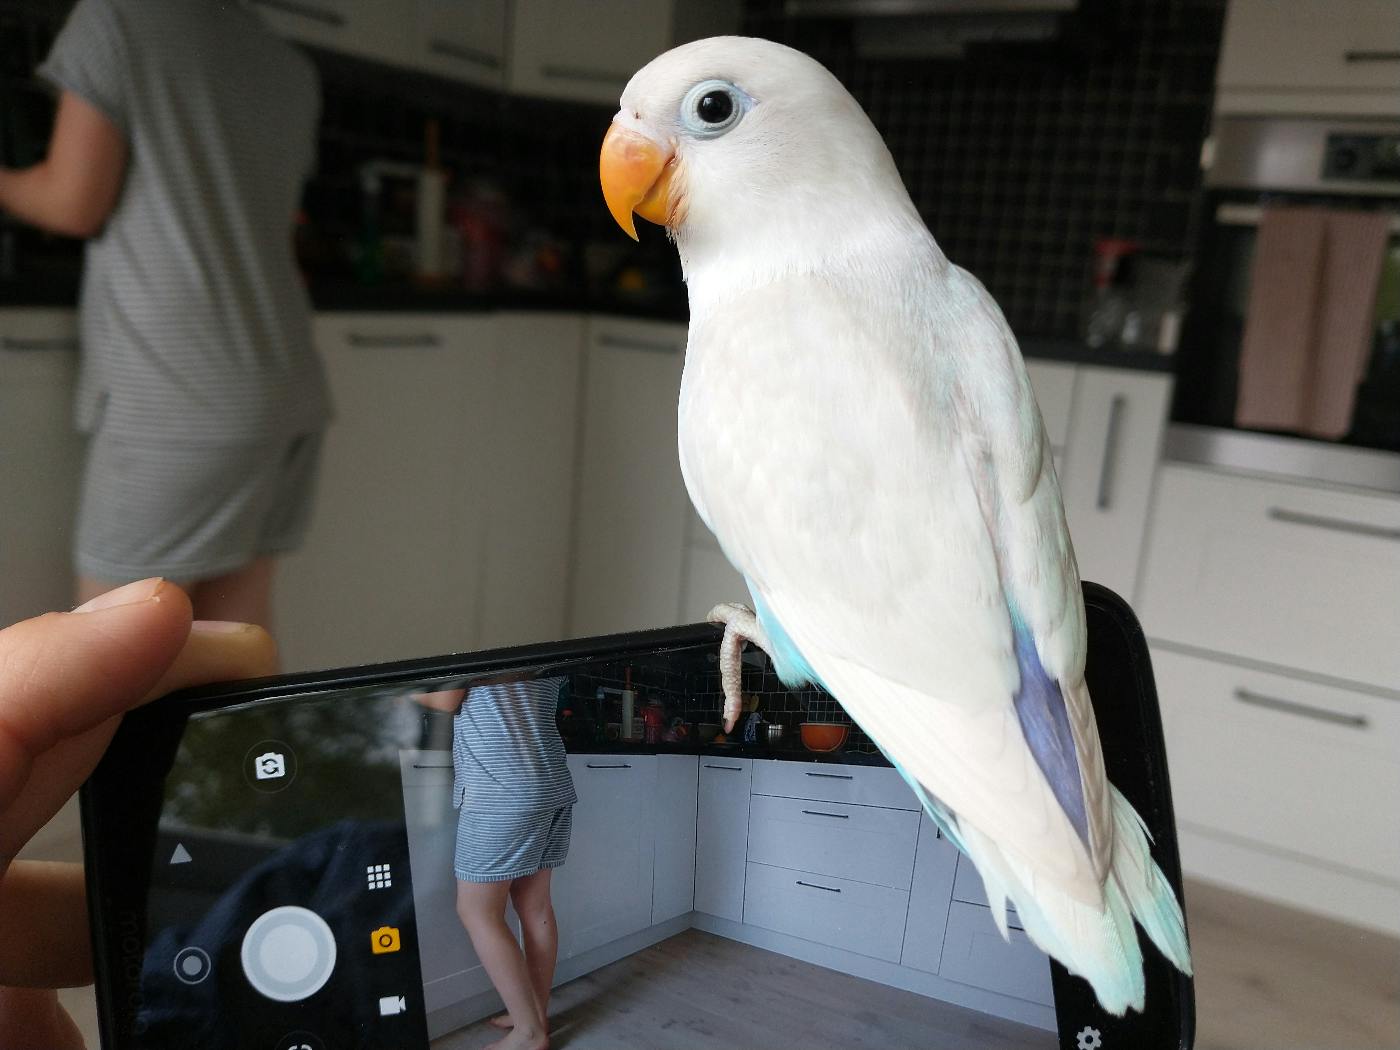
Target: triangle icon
[[181, 855]]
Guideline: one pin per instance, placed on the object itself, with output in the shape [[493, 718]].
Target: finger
[[64, 673], [212, 652], [43, 911]]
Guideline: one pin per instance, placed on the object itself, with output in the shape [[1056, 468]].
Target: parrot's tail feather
[[1149, 894], [1099, 943]]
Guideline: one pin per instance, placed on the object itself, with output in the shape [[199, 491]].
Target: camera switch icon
[[270, 766]]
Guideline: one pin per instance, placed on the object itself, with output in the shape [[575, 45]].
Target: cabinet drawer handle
[[9, 342], [615, 765], [833, 776], [1108, 470], [1372, 56], [310, 12], [596, 76], [736, 769], [625, 342], [814, 886], [819, 813], [1293, 707], [464, 54], [393, 342], [1359, 528], [447, 765]]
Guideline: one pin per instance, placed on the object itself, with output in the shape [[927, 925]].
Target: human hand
[[65, 681]]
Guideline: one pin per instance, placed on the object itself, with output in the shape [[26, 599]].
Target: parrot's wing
[[914, 563]]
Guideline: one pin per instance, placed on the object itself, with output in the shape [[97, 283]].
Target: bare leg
[[740, 626], [245, 595], [482, 908], [540, 933]]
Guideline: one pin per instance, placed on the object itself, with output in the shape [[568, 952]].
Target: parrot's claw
[[740, 626]]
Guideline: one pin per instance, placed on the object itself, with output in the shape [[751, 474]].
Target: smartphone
[[270, 864]]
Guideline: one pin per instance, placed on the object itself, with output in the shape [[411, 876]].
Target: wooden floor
[[1267, 978], [697, 991]]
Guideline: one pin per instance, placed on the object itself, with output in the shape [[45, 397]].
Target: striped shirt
[[195, 326], [507, 754]]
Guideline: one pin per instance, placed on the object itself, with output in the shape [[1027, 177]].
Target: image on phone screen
[[281, 865]]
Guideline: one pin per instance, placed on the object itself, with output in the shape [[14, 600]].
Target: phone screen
[[278, 865]]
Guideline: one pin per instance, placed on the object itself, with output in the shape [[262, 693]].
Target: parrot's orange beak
[[636, 175]]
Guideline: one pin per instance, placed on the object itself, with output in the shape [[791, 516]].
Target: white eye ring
[[690, 108]]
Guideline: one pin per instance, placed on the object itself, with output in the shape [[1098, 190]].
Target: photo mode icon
[[384, 940]]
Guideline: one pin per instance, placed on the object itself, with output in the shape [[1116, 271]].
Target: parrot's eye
[[712, 107]]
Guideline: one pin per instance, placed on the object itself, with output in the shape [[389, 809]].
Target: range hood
[[936, 28]]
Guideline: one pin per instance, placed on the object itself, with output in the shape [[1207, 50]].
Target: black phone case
[[119, 827]]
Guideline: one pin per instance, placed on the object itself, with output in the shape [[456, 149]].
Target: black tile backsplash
[[1018, 155]]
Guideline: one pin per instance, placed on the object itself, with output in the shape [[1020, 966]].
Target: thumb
[[65, 677]]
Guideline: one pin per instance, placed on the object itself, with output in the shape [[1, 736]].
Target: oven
[[1254, 163]]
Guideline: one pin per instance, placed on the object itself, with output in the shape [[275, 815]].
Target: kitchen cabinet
[[842, 913], [1310, 56], [1288, 574], [673, 871], [451, 969], [373, 29], [1110, 463], [41, 460], [630, 519], [935, 861], [721, 836], [604, 890], [527, 458], [974, 952], [461, 40], [584, 52], [862, 843], [390, 566]]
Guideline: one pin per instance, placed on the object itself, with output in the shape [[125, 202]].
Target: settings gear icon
[[1089, 1039]]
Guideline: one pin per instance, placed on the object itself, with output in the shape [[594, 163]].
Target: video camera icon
[[389, 1005]]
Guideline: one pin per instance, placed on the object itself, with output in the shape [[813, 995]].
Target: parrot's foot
[[740, 626]]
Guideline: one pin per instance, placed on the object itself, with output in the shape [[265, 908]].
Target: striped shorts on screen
[[496, 845]]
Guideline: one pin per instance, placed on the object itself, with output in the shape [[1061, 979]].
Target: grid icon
[[379, 876]]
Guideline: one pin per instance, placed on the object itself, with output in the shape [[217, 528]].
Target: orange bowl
[[824, 736]]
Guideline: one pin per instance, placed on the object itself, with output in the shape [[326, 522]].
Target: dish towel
[[1310, 318]]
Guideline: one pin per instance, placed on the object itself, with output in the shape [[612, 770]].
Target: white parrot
[[858, 431]]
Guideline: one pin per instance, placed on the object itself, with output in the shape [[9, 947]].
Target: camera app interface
[[281, 909]]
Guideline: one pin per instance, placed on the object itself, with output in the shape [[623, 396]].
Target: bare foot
[[529, 1038]]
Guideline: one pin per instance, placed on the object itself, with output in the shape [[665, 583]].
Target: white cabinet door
[[585, 52], [451, 970], [1311, 49], [721, 836], [934, 864], [855, 916], [1111, 459], [1053, 383], [462, 39], [632, 505], [673, 874], [390, 566], [1289, 574], [974, 952], [526, 501], [374, 29], [603, 890], [41, 458]]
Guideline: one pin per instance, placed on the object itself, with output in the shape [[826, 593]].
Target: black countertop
[[794, 753], [56, 290]]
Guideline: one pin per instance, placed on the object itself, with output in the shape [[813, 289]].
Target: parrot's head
[[744, 146]]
